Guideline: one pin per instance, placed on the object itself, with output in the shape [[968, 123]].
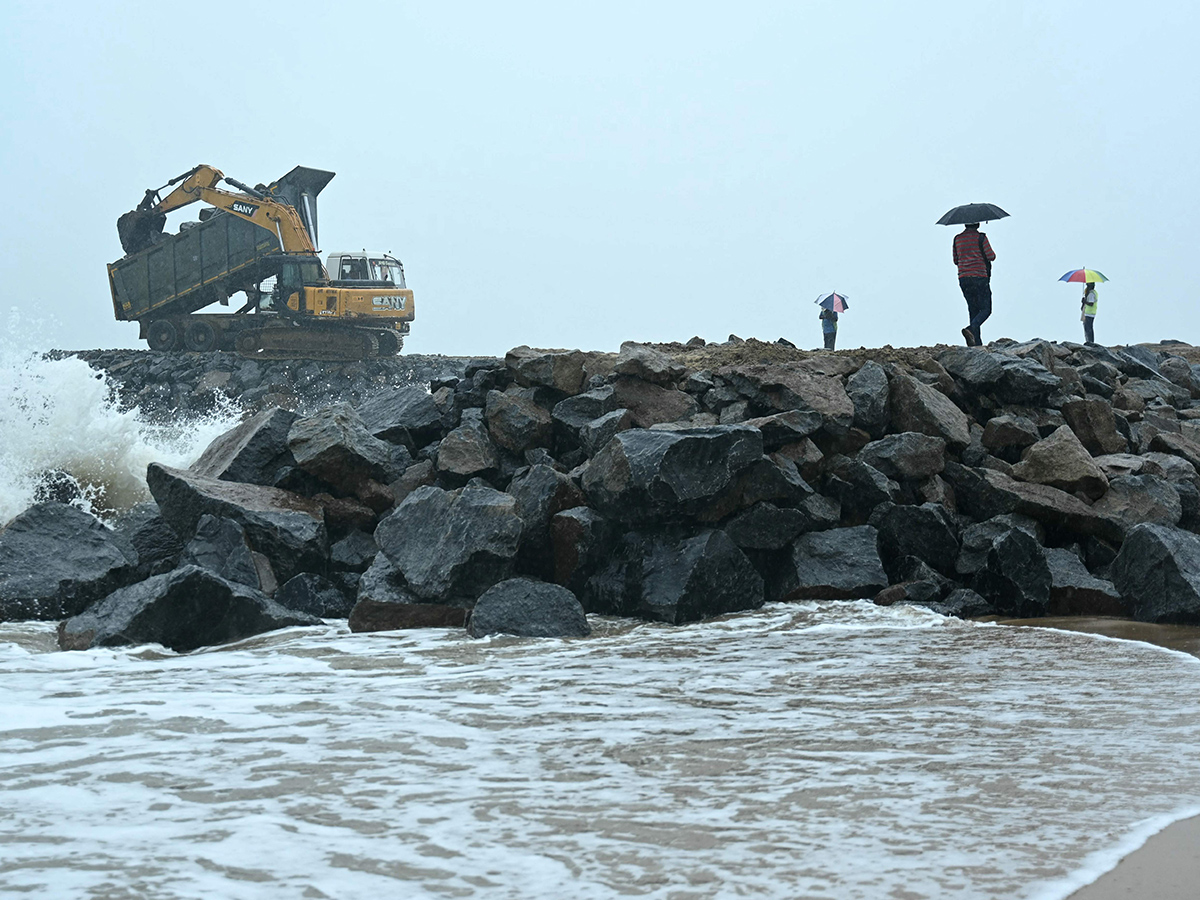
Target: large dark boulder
[[154, 543], [979, 370], [1093, 422], [909, 455], [335, 446], [977, 540], [1007, 435], [406, 415], [868, 391], [559, 370], [582, 541], [384, 603], [527, 608], [452, 545], [645, 476], [644, 362], [839, 564], [1074, 591], [55, 560], [784, 388], [316, 595], [219, 545], [1025, 381], [858, 487], [467, 452], [287, 528], [1158, 574], [926, 532], [516, 422], [788, 427], [255, 452], [919, 407], [652, 404], [765, 526], [595, 434], [353, 553], [1134, 499], [184, 609], [1015, 579], [541, 493], [571, 414], [674, 578], [1061, 461]]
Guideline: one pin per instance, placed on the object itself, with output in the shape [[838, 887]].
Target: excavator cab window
[[353, 269]]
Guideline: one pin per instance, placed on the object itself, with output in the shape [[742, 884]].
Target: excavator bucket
[[299, 188]]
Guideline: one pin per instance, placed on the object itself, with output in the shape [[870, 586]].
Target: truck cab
[[365, 269]]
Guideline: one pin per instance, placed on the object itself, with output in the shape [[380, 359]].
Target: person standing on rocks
[[829, 321], [1088, 311], [974, 255]]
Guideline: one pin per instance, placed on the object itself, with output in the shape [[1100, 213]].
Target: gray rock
[[55, 560], [979, 370], [1134, 499], [407, 415], [674, 579], [780, 429], [559, 370], [353, 553], [918, 407], [785, 388], [1007, 435], [1158, 574], [839, 564], [184, 609], [528, 608], [316, 595], [335, 446], [452, 545], [1025, 381], [1074, 591], [153, 542], [1094, 424], [541, 493], [287, 528], [651, 404], [1015, 579], [253, 453], [906, 456], [962, 603], [857, 487], [926, 532], [765, 526], [467, 452], [644, 362], [1061, 461], [219, 545], [868, 391], [595, 434], [571, 414], [582, 542], [977, 540], [644, 475], [516, 422], [1116, 465]]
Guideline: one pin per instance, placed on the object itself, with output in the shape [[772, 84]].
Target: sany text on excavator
[[265, 234]]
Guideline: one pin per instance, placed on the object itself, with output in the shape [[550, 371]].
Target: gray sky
[[569, 175]]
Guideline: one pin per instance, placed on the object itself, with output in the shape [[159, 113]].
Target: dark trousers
[[830, 337], [1088, 334], [978, 294]]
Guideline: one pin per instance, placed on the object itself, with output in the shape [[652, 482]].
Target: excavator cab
[[366, 269], [294, 274]]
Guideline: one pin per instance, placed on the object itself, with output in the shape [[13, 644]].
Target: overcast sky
[[569, 175]]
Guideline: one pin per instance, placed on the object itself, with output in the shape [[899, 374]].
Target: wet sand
[[1166, 867]]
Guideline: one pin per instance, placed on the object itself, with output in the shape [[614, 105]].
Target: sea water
[[808, 750], [801, 751], [61, 416]]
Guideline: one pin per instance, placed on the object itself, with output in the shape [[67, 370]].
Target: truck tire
[[161, 335], [200, 337]]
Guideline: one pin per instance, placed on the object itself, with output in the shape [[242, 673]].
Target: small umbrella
[[972, 213], [834, 301], [1085, 276]]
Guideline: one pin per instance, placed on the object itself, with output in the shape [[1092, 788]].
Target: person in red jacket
[[973, 255]]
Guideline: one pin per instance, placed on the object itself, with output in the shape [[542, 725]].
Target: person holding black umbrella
[[973, 255]]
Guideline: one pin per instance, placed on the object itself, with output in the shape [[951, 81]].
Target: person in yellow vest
[[1088, 311]]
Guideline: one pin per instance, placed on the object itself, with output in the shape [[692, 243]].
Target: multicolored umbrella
[[1084, 276], [834, 301]]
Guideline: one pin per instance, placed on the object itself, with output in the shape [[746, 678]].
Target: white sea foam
[[832, 749], [60, 415]]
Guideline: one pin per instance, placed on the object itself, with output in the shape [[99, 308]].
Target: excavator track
[[332, 344]]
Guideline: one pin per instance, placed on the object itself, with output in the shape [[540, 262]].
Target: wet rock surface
[[668, 482], [527, 608]]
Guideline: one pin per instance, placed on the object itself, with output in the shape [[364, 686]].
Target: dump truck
[[260, 241]]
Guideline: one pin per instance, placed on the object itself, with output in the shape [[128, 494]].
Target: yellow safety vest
[[1089, 303]]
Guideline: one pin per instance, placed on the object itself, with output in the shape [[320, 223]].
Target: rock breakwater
[[666, 482]]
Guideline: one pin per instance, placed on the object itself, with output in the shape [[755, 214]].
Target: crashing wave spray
[[59, 420]]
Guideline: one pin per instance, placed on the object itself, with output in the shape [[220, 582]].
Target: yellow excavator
[[243, 242]]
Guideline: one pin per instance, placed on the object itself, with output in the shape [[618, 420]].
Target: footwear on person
[[966, 333]]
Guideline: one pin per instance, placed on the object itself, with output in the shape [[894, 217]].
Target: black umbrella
[[971, 213]]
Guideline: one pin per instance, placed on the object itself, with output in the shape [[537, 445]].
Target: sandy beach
[[1166, 867]]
